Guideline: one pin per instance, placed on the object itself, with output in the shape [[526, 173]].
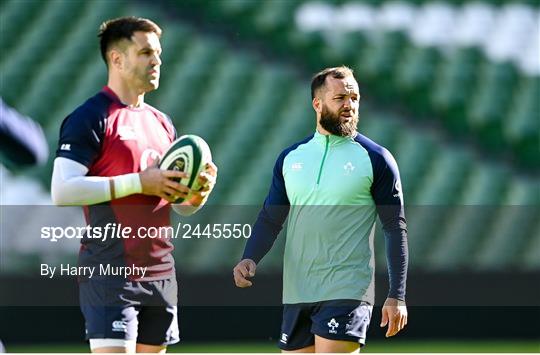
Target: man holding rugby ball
[[106, 161]]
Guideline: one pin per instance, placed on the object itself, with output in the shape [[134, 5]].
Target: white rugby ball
[[189, 154]]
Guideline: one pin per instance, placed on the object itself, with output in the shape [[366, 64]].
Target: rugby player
[[332, 185], [106, 161]]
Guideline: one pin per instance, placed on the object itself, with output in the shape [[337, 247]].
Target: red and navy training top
[[111, 138]]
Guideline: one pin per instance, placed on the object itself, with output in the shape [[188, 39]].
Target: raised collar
[[110, 93], [332, 139]]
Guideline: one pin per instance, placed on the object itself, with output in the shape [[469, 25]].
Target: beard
[[334, 124]]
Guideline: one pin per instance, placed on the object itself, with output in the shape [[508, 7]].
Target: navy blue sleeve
[[388, 197], [172, 125], [271, 217], [82, 132]]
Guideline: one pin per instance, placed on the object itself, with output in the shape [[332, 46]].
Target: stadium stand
[[450, 88]]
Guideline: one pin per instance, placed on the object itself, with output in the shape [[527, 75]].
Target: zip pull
[[323, 159]]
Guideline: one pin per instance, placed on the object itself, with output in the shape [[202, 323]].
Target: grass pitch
[[388, 346]]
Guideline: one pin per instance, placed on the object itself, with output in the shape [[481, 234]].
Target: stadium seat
[[235, 9], [16, 18], [24, 66], [224, 98], [174, 43], [512, 227], [415, 77], [195, 73], [250, 131], [444, 182], [447, 177], [414, 154], [454, 84], [93, 76], [466, 227], [274, 19], [62, 72], [521, 126], [491, 102], [291, 126], [346, 47], [24, 63], [378, 68], [383, 128]]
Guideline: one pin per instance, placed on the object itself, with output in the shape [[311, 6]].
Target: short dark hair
[[112, 31], [319, 79]]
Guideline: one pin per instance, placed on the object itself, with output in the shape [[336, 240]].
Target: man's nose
[[156, 60]]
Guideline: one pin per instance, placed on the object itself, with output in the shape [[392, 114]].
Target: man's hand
[[206, 180], [157, 182], [242, 271], [394, 313]]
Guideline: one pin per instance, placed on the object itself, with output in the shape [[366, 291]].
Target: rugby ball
[[189, 154]]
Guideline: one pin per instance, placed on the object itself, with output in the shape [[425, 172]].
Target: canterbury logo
[[297, 166], [119, 326], [126, 133]]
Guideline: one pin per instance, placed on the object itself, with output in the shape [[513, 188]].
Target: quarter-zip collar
[[332, 139]]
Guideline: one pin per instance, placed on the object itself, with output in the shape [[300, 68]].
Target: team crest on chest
[[349, 168]]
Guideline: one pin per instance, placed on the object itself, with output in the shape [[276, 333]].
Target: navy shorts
[[337, 320], [144, 311]]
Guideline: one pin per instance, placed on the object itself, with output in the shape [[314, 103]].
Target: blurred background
[[451, 88]]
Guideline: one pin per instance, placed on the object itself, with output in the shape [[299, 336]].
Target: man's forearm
[[265, 231], [397, 258], [71, 187]]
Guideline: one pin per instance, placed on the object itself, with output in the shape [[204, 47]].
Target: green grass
[[372, 347]]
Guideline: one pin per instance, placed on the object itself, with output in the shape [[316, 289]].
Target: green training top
[[332, 189]]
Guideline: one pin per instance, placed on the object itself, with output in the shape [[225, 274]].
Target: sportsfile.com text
[[118, 231]]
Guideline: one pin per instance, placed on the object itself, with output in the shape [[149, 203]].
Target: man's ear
[[317, 104], [115, 58]]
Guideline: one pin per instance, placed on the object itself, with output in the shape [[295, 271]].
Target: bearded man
[[332, 185]]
